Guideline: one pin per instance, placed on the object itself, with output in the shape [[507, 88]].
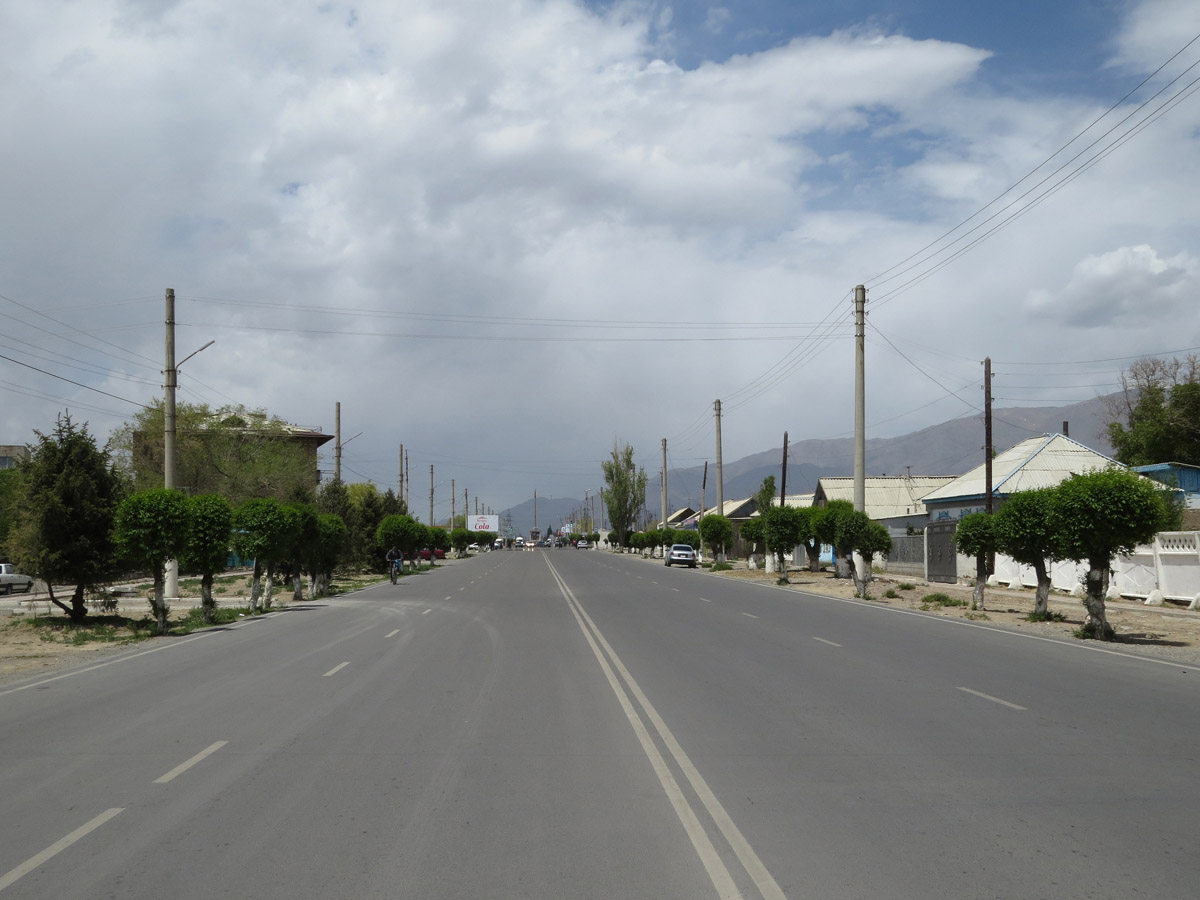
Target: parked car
[[435, 553], [683, 554], [11, 580], [583, 545]]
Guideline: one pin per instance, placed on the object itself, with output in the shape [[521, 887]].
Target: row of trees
[[1089, 518], [74, 514]]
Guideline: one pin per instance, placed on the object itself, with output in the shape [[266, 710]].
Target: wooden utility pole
[[987, 433], [664, 484], [401, 493], [431, 495], [453, 498]]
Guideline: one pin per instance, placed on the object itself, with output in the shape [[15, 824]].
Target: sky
[[509, 235]]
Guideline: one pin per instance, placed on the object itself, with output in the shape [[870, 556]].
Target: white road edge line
[[767, 886], [57, 847], [823, 641], [183, 767], [993, 699], [335, 669]]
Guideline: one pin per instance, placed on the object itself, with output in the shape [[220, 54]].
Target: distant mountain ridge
[[949, 448]]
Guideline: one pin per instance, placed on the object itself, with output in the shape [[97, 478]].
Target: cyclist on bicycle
[[395, 560]]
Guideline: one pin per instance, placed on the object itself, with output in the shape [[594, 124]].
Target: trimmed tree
[[1022, 531], [783, 531], [151, 527], [207, 550], [807, 525], [1098, 515], [975, 536], [331, 538], [716, 532], [827, 524], [460, 540], [858, 534], [262, 531], [405, 532]]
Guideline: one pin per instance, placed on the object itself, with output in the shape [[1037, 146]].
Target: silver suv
[[684, 554]]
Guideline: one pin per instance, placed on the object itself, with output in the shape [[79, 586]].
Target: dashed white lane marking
[[335, 669], [993, 699], [706, 600], [57, 847], [392, 633], [749, 616], [823, 641], [184, 766], [426, 612]]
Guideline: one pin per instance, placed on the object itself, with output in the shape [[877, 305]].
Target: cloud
[[1127, 286]]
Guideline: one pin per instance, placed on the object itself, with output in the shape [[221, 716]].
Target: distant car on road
[[583, 545], [681, 554]]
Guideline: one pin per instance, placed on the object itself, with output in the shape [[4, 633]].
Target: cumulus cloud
[[1129, 284]]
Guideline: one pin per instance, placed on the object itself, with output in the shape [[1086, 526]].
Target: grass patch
[[929, 601], [1088, 632], [977, 616], [891, 594], [110, 629], [721, 567], [1046, 616], [905, 586]]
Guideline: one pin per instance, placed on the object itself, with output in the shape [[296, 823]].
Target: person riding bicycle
[[395, 559]]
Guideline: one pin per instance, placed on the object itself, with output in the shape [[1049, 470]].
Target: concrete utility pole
[[431, 495], [783, 482], [337, 441], [453, 497], [170, 375], [407, 484], [987, 434], [664, 483], [720, 476], [401, 481], [860, 400], [535, 524]]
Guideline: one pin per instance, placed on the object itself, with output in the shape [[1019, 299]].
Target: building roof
[[887, 496], [796, 500], [1037, 462], [734, 509]]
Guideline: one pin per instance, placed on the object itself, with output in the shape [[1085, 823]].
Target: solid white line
[[392, 633], [335, 669], [183, 767], [57, 847], [718, 873], [993, 699], [823, 641]]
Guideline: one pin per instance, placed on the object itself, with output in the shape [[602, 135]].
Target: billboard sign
[[484, 523]]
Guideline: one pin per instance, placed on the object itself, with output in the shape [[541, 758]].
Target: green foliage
[[827, 523], [233, 451], [62, 533], [905, 586], [208, 543], [721, 567], [624, 492], [1022, 527], [765, 498], [262, 529], [784, 527], [11, 487], [403, 532], [716, 532], [975, 535], [751, 531], [891, 594], [1047, 616], [151, 527], [1162, 407], [1100, 514], [460, 539]]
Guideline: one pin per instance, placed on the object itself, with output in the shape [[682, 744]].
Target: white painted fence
[[1169, 568]]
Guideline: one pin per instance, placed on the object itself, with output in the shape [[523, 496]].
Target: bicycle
[[395, 570]]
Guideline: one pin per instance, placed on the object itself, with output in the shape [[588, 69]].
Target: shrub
[[939, 599]]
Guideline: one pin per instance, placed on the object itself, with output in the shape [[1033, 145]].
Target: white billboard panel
[[484, 523]]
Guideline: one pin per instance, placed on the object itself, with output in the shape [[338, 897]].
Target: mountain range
[[950, 448]]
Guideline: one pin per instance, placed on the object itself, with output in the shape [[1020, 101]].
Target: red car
[[427, 554]]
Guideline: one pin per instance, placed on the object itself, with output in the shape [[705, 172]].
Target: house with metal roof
[[1037, 462], [895, 501]]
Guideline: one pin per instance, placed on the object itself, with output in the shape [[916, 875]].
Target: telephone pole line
[[860, 400], [987, 433], [720, 474]]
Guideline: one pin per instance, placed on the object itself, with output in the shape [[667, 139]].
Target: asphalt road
[[566, 724]]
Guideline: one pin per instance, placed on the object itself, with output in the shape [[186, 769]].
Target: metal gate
[[942, 558]]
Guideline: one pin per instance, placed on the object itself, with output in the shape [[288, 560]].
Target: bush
[[905, 586], [721, 567], [891, 594]]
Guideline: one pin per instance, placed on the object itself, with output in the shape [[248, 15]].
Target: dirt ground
[[1167, 632]]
